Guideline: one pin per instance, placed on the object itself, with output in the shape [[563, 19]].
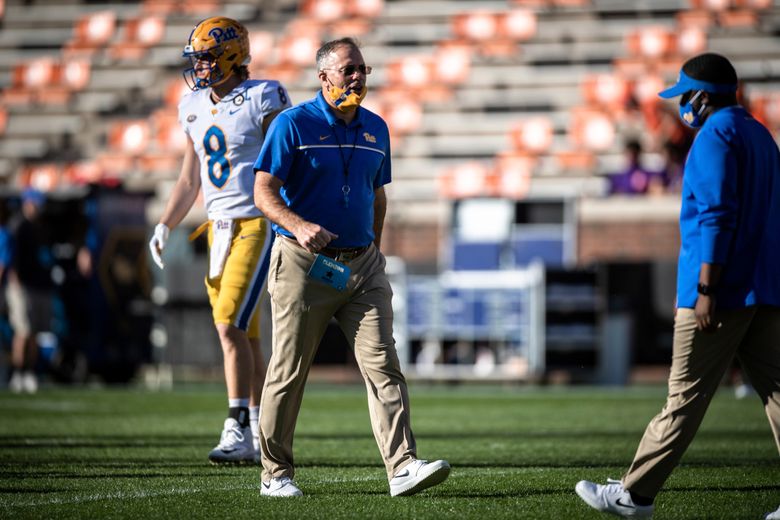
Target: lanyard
[[345, 162]]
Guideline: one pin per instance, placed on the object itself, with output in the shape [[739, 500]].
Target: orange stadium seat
[[261, 48], [466, 179], [475, 26], [3, 119], [534, 135], [300, 42], [140, 34], [651, 42], [324, 10], [591, 129], [738, 18], [44, 177], [517, 24], [415, 71], [129, 137], [576, 161], [691, 41], [46, 80], [92, 32], [168, 134], [610, 91], [452, 62], [701, 18], [174, 90], [366, 8], [513, 172]]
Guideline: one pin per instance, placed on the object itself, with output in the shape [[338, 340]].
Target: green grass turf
[[515, 452]]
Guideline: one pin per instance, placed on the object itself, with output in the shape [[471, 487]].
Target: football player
[[226, 117]]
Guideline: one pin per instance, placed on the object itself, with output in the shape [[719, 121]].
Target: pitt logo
[[222, 35], [368, 137]]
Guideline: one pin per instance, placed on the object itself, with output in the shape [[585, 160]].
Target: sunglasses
[[350, 70]]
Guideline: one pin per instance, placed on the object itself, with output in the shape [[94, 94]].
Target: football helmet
[[219, 46]]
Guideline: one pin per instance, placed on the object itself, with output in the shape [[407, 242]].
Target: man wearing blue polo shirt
[[728, 280], [320, 179]]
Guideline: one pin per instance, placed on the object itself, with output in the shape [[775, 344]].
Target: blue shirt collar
[[327, 111]]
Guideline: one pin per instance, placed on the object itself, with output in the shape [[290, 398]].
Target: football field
[[516, 452]]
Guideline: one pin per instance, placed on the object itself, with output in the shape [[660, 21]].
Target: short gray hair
[[328, 47]]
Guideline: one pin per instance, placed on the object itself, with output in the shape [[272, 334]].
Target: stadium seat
[[591, 129], [91, 33], [138, 36], [513, 172], [467, 179], [533, 135], [129, 137], [44, 177]]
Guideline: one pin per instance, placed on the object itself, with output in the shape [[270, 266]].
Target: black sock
[[240, 414], [640, 500]]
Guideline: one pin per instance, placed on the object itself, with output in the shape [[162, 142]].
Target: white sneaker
[[774, 515], [612, 498], [418, 475], [16, 384], [235, 444], [280, 487], [30, 382], [256, 443]]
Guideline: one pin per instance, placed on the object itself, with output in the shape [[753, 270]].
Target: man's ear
[[322, 75]]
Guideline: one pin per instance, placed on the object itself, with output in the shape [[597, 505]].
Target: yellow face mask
[[346, 99]]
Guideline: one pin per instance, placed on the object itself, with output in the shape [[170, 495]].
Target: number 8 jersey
[[228, 136]]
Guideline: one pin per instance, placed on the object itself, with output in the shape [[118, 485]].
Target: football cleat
[[235, 444], [217, 47]]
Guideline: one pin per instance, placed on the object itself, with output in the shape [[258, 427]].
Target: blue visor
[[686, 83]]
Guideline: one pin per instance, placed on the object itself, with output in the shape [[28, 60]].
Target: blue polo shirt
[[730, 212], [315, 155]]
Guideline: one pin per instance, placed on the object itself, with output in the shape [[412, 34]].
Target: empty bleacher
[[473, 75]]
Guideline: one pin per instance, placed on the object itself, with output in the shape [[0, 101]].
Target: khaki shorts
[[29, 310]]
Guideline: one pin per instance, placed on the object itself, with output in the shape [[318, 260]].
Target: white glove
[[157, 243]]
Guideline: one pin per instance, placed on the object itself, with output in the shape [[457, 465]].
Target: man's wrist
[[705, 289]]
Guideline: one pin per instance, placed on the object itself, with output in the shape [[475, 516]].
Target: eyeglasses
[[350, 70]]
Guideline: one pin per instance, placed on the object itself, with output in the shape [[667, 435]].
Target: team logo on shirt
[[238, 100], [191, 118], [369, 138]]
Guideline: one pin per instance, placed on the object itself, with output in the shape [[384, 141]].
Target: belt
[[343, 254], [339, 254]]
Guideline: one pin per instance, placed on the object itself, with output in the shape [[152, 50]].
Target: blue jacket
[[316, 155], [730, 212]]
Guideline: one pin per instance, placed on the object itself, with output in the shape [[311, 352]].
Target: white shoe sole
[[246, 458], [286, 491], [434, 474]]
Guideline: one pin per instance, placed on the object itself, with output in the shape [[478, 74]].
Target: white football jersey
[[228, 136]]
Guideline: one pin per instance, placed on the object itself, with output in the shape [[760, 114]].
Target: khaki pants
[[699, 361], [301, 309]]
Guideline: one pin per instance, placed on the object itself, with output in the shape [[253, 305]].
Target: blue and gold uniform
[[227, 136]]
